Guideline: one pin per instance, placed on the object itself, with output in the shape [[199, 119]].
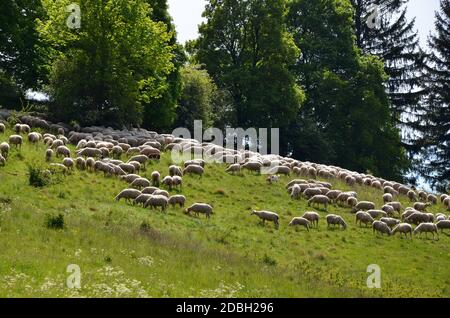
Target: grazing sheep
[[300, 221], [273, 179], [381, 227], [310, 192], [387, 197], [234, 168], [390, 221], [168, 181], [175, 171], [48, 155], [319, 199], [200, 208], [80, 163], [128, 194], [432, 199], [295, 191], [149, 190], [423, 196], [443, 224], [333, 219], [343, 197], [417, 218], [177, 182], [403, 228], [142, 199], [396, 205], [33, 137], [412, 196], [2, 161], [440, 217], [56, 143], [90, 163], [2, 128], [420, 206], [443, 197], [140, 183], [127, 167], [142, 159], [69, 163], [62, 151], [129, 178], [426, 228], [194, 169], [155, 201], [252, 166], [377, 213], [90, 152], [16, 141], [177, 199], [312, 217], [4, 149], [156, 178], [364, 205], [117, 151], [25, 129], [363, 217], [352, 202], [162, 192], [333, 194], [388, 209], [281, 170], [267, 216]]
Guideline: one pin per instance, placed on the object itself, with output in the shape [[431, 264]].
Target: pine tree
[[383, 30], [436, 120]]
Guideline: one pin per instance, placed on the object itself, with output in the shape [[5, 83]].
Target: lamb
[[177, 199], [300, 221], [403, 228], [364, 205], [69, 163], [420, 206], [412, 196], [168, 181], [363, 217], [319, 199], [377, 213], [63, 150], [194, 169], [234, 168], [387, 197], [381, 227], [200, 208], [149, 190], [333, 219], [273, 179], [4, 149], [142, 199], [443, 224], [156, 201], [175, 171], [156, 178], [427, 228], [140, 183], [16, 140], [295, 191], [390, 221], [128, 194], [267, 216], [312, 217]]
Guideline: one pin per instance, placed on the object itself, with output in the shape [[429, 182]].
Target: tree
[[346, 119], [436, 120], [247, 50], [21, 54], [104, 71], [383, 30], [160, 113]]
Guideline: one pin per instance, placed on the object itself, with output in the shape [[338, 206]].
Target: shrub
[[55, 222], [37, 177]]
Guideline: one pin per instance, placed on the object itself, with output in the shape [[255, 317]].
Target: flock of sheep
[[100, 149]]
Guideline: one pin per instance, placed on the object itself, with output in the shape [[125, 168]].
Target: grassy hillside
[[127, 251]]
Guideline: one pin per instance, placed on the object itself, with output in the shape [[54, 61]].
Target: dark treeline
[[341, 82]]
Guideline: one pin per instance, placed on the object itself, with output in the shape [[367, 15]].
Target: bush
[[38, 177], [55, 222]]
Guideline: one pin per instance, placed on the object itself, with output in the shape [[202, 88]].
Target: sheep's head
[[253, 212]]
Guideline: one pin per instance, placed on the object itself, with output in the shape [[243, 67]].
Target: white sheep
[[387, 197], [2, 161], [90, 152], [377, 213], [142, 199], [234, 168], [364, 205], [381, 227], [156, 178], [156, 201], [443, 224], [295, 191], [140, 183], [162, 192], [80, 163], [177, 199], [129, 178], [312, 217], [426, 228], [2, 128], [396, 205], [352, 202], [363, 217], [267, 216], [194, 169], [177, 182], [388, 209], [168, 181], [149, 190], [16, 141], [69, 163], [420, 206], [175, 171], [200, 208], [391, 222], [333, 219], [403, 228], [319, 199], [4, 149], [62, 151], [300, 221], [128, 194], [412, 196]]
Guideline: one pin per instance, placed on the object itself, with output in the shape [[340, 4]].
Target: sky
[[187, 15]]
